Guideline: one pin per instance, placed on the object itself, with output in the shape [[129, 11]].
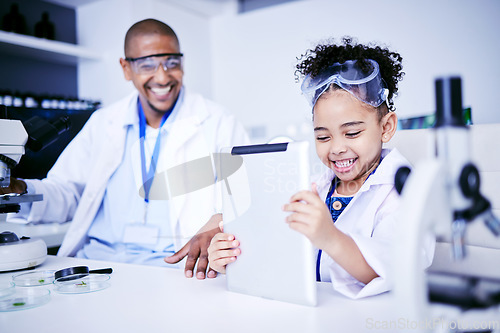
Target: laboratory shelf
[[44, 49]]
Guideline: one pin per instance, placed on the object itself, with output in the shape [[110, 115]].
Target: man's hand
[[197, 250], [16, 186]]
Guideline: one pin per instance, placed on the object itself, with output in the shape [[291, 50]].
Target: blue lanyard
[[148, 175]]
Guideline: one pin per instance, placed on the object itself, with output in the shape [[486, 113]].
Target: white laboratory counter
[[157, 299]]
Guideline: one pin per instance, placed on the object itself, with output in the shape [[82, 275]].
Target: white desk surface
[[157, 299]]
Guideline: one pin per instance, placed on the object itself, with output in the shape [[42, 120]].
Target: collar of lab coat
[[186, 115], [392, 160]]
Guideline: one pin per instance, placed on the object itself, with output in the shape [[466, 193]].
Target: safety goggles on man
[[149, 64], [366, 85]]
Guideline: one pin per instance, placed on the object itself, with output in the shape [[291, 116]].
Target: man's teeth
[[162, 91], [344, 163]]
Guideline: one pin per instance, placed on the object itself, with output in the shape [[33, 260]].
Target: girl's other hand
[[223, 250]]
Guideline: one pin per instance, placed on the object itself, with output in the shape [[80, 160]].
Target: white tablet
[[276, 262]]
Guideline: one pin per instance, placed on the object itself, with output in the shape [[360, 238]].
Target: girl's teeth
[[344, 163]]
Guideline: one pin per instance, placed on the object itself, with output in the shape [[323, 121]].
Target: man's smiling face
[[158, 91]]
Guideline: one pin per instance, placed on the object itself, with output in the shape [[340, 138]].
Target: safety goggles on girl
[[149, 64], [363, 82]]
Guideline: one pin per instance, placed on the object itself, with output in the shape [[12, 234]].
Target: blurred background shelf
[[44, 49]]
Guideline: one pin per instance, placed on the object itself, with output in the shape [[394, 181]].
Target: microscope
[[34, 134], [441, 197]]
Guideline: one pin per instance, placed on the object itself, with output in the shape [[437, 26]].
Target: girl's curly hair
[[315, 61]]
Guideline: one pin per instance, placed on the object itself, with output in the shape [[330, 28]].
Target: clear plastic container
[[86, 284], [25, 298], [6, 289], [33, 279]]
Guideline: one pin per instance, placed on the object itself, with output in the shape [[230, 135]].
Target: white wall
[[102, 26], [246, 62], [255, 53]]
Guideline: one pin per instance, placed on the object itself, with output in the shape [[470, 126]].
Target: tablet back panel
[[276, 262]]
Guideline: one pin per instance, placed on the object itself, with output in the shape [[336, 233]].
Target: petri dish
[[86, 284], [6, 289], [25, 298], [33, 279]]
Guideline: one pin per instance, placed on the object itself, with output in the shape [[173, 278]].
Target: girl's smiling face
[[349, 136]]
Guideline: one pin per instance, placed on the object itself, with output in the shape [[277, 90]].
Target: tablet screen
[[276, 262]]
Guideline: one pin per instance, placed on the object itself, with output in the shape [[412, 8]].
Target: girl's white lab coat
[[370, 221], [75, 186]]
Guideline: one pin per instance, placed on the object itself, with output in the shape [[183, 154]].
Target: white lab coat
[[75, 186], [370, 221]]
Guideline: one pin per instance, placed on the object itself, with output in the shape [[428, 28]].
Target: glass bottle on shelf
[[14, 21], [45, 28]]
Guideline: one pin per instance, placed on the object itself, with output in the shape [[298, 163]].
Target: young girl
[[349, 214]]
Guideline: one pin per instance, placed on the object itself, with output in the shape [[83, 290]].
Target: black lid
[[71, 273], [8, 237]]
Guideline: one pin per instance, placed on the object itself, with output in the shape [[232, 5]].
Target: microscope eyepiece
[[42, 133], [449, 102]]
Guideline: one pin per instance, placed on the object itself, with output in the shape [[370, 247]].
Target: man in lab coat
[[137, 182]]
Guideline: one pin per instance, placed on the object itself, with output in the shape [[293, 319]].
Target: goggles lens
[[149, 64], [366, 85]]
